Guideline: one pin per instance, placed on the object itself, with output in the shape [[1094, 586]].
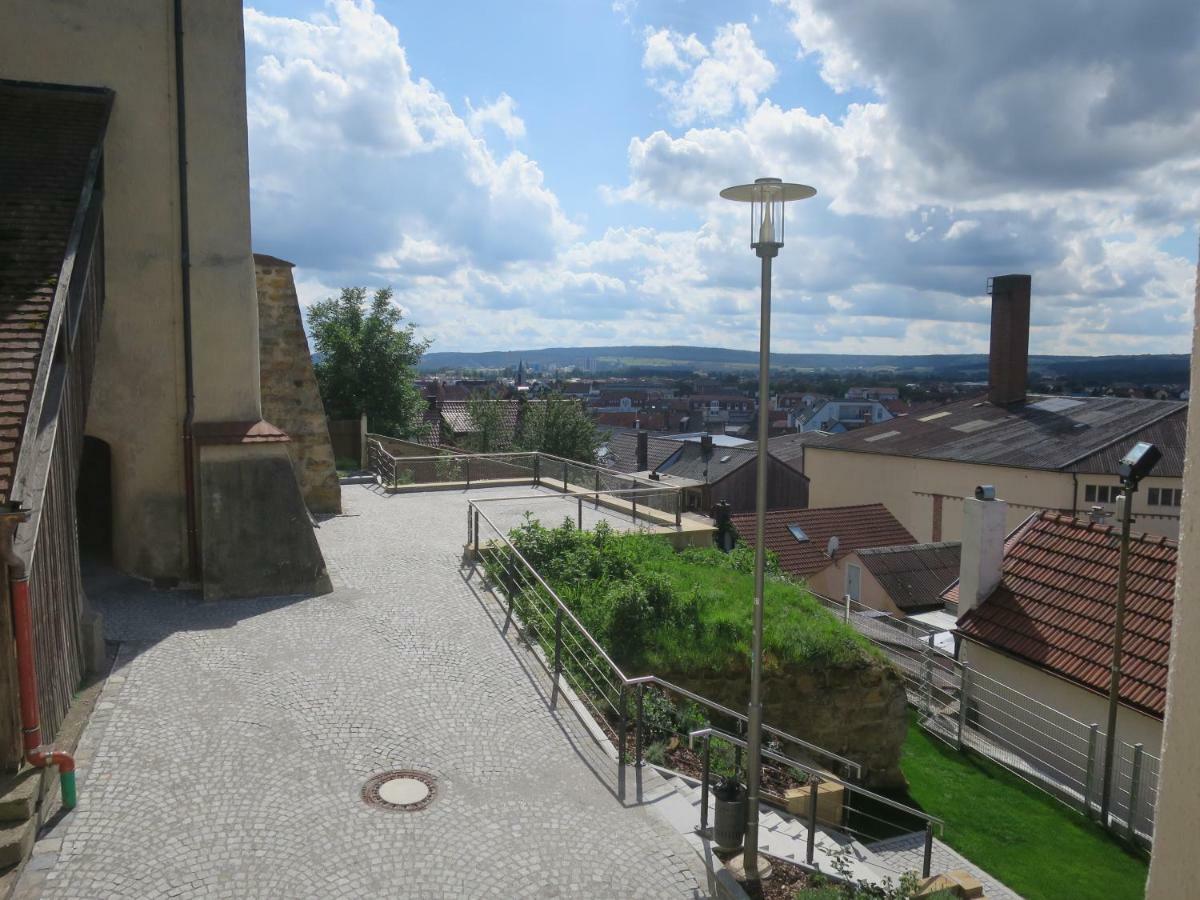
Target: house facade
[[838, 416]]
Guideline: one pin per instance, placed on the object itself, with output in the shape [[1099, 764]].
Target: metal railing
[[814, 777], [633, 492], [570, 653], [1042, 745]]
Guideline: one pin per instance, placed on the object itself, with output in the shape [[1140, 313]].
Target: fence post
[[394, 472], [812, 819], [1090, 775], [596, 496], [1135, 784], [579, 512], [622, 734], [468, 471], [537, 469], [678, 508], [557, 653], [927, 678], [475, 531], [564, 478], [964, 693], [704, 789], [846, 611], [635, 509], [638, 732], [927, 864]]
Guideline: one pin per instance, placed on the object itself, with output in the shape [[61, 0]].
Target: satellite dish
[[832, 549]]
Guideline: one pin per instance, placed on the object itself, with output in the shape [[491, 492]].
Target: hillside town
[[295, 606]]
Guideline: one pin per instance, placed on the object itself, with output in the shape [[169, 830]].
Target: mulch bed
[[786, 879]]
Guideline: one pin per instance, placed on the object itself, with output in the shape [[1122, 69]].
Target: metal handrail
[[710, 732], [639, 682]]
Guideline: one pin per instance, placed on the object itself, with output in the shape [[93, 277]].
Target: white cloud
[[734, 72], [502, 113]]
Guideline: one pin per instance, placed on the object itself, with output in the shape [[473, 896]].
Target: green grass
[[687, 611], [1028, 840]]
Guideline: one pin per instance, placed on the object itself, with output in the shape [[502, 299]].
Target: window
[[1164, 496], [1101, 493], [798, 533]]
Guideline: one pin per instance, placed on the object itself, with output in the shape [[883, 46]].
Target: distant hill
[[1167, 368]]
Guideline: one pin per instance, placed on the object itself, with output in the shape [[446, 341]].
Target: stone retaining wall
[[858, 712]]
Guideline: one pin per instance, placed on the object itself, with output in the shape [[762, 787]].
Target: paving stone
[[240, 733]]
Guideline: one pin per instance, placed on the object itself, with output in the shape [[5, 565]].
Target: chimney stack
[[643, 451], [982, 548], [1008, 359], [706, 445]]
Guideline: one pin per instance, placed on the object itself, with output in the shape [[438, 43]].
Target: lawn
[[1031, 842]]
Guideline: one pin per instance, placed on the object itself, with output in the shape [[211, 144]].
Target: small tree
[[485, 412], [367, 360], [559, 427]]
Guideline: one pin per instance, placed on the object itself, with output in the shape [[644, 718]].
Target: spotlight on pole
[[1133, 467]]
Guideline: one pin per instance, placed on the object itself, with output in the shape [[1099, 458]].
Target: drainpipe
[[185, 290], [22, 619]]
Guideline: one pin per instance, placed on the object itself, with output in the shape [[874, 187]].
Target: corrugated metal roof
[[915, 575], [856, 527], [1055, 606], [1169, 435], [47, 139], [1042, 433]]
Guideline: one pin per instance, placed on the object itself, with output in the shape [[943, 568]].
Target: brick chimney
[[1008, 359], [982, 549], [706, 445], [643, 451]]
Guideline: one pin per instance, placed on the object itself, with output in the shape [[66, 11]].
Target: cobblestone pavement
[[228, 750], [907, 854]]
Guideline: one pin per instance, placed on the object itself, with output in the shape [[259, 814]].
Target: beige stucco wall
[[138, 399], [1087, 707], [831, 582], [903, 485], [1173, 869]]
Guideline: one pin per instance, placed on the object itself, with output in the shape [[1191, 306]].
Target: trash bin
[[729, 819]]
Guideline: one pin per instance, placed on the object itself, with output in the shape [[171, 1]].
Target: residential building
[[635, 451], [1040, 452], [711, 473], [904, 580], [1036, 611], [838, 416], [873, 393], [818, 545]]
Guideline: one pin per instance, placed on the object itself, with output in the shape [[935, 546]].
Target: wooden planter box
[[831, 798]]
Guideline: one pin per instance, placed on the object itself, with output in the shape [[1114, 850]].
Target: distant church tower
[[521, 374]]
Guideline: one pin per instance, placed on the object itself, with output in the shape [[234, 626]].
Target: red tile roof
[[1055, 606], [855, 527], [48, 139]]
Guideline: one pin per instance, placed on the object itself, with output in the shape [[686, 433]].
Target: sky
[[540, 173]]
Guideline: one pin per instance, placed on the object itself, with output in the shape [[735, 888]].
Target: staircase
[[779, 835]]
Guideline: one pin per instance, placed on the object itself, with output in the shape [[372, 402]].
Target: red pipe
[[22, 620]]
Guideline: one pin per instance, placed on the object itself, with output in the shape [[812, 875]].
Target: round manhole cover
[[403, 790]]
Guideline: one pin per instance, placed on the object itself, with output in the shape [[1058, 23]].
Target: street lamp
[[766, 198], [1133, 467]]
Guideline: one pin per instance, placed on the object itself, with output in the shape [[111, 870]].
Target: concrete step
[[16, 840], [18, 794]]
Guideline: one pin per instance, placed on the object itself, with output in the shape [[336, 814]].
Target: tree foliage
[[559, 427], [367, 360], [488, 436]]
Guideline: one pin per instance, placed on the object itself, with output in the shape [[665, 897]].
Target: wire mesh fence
[[1037, 742]]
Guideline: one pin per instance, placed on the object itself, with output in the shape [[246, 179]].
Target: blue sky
[[544, 173]]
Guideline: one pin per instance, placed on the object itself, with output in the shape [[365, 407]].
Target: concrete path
[[230, 746]]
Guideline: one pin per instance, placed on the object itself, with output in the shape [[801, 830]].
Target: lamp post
[[1134, 466], [766, 197]]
